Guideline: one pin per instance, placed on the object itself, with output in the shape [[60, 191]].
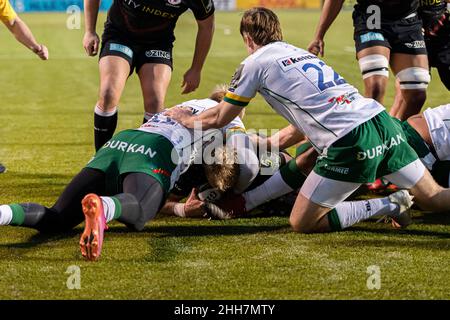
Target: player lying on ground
[[204, 184], [355, 137], [22, 33], [138, 167]]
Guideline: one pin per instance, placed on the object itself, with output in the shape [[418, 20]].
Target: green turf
[[46, 137]]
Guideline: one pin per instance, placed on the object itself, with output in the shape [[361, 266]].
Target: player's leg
[[2, 168], [320, 206], [429, 195], [154, 67], [374, 66], [290, 177], [141, 199], [65, 214], [114, 72], [413, 78]]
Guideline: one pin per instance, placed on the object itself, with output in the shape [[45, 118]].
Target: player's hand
[[191, 80], [317, 46], [194, 207], [178, 114], [91, 42], [42, 52]]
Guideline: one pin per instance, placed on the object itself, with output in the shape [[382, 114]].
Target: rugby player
[[203, 184], [355, 137], [137, 167], [139, 35], [22, 33], [395, 40], [435, 15], [427, 133]]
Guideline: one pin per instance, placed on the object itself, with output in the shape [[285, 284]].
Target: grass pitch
[[46, 138]]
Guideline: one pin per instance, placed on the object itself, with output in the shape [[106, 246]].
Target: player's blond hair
[[219, 93], [262, 25], [223, 173]]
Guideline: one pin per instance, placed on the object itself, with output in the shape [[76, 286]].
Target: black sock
[[104, 128]]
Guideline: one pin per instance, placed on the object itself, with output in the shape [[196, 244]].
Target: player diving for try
[[127, 180], [355, 137]]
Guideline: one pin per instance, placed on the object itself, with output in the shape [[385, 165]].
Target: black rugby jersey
[[148, 21]]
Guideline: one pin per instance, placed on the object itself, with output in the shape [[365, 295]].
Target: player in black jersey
[[139, 35], [386, 33], [436, 24]]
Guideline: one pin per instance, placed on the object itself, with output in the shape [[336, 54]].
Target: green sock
[[18, 214], [333, 220], [292, 175]]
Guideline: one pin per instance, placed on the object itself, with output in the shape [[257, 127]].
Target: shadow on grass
[[432, 218], [41, 238], [400, 232], [198, 231], [32, 176]]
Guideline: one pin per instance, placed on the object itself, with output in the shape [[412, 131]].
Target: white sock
[[103, 113], [352, 212], [148, 115], [6, 215], [109, 208], [273, 188]]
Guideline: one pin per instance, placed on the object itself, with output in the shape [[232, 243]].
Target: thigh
[[327, 192], [114, 72], [402, 61], [67, 212], [155, 79], [147, 191], [408, 176]]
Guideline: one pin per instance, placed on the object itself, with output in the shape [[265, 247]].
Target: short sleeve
[[202, 9], [7, 13], [245, 83]]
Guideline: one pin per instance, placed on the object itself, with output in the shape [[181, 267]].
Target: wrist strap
[[179, 211]]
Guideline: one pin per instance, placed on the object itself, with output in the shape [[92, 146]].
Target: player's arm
[[192, 208], [283, 139], [330, 11], [214, 118], [205, 32], [91, 39], [20, 30]]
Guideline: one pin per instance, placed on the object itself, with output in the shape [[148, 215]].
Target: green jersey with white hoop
[[304, 90]]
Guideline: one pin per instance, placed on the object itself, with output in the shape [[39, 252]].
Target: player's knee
[[414, 78], [109, 98], [300, 224]]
